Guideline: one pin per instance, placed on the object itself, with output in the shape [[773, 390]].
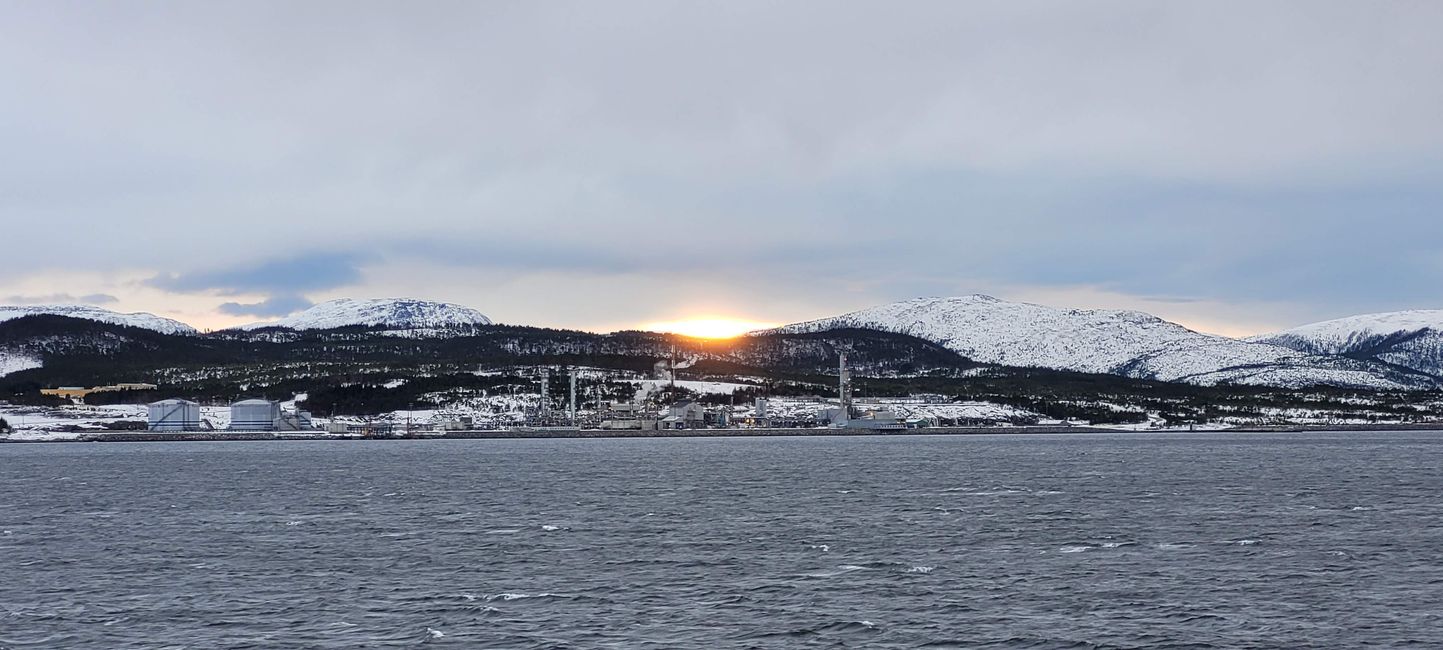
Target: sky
[[1234, 166]]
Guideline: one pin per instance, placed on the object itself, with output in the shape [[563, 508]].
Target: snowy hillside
[[1127, 343], [1412, 339], [15, 361], [392, 313], [140, 319]]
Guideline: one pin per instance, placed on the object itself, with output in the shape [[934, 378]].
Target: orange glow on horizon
[[708, 328]]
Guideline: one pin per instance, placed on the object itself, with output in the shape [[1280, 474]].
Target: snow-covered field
[[16, 361], [647, 387]]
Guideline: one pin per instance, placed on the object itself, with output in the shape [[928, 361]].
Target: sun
[[709, 327]]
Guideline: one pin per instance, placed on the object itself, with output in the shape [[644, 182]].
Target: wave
[[519, 596]]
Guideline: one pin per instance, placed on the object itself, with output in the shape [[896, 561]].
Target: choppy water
[[1182, 541]]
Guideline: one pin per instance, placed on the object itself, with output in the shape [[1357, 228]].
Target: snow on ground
[[16, 361], [138, 319], [402, 313], [1129, 343], [646, 387], [956, 411], [51, 423]]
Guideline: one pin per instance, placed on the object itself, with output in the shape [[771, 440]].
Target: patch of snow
[[17, 361]]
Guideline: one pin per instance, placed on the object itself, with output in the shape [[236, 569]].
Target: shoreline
[[524, 434]]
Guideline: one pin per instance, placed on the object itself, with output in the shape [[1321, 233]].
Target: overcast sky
[[1235, 166]]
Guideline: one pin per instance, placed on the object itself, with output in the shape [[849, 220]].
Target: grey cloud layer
[[1232, 151]]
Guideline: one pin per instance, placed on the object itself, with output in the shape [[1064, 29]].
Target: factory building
[[684, 415], [266, 415], [173, 415]]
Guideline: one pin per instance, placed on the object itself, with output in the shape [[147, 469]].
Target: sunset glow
[[708, 328]]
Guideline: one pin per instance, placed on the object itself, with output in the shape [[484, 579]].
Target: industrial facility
[[547, 414], [173, 415], [78, 394], [246, 415], [267, 415]]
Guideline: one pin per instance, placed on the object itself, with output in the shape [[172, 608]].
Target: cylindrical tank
[[254, 415], [174, 415]]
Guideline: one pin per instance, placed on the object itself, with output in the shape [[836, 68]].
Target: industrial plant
[[174, 415], [662, 409]]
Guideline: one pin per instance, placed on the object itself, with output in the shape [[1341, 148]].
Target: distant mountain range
[[1125, 343], [1400, 351], [1409, 339], [389, 313], [143, 320]]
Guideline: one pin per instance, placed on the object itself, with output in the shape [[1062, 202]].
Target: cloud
[[62, 298], [300, 273], [274, 306], [1249, 153]]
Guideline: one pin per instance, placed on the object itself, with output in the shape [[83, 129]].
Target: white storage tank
[[254, 415], [174, 415]]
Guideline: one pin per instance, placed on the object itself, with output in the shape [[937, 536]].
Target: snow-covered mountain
[[1127, 343], [139, 319], [391, 313], [1411, 339]]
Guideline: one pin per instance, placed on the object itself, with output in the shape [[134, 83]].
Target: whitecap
[[491, 597], [1116, 544], [293, 523], [1245, 542], [820, 547], [1172, 546], [920, 569], [435, 633], [548, 527], [1073, 549]]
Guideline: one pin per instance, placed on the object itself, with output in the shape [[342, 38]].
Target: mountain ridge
[[144, 320], [389, 313], [1411, 339], [1119, 342]]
